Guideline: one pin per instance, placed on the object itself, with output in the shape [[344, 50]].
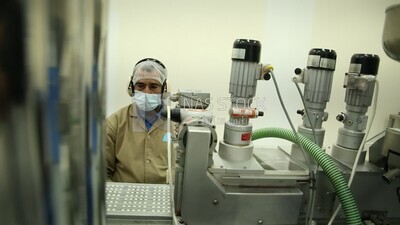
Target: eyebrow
[[152, 83]]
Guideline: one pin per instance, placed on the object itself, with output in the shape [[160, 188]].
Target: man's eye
[[154, 86], [139, 85]]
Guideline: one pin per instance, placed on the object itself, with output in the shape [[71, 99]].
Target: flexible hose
[[312, 192], [335, 176], [278, 92]]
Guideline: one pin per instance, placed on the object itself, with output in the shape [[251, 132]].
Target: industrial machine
[[226, 180], [51, 136], [391, 45], [317, 78], [241, 185], [231, 186]]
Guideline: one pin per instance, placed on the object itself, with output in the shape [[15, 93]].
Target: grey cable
[[311, 200], [294, 131], [306, 111], [353, 170], [290, 121]]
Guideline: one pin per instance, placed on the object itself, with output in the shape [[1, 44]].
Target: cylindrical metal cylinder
[[317, 79], [318, 85], [245, 68], [349, 139], [245, 72], [359, 83], [235, 153], [237, 134], [319, 74], [243, 82]]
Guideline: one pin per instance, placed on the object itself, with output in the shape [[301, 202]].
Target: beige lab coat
[[132, 154]]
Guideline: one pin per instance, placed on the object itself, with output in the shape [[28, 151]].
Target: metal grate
[[131, 200]]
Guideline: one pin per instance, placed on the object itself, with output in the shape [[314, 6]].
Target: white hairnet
[[154, 71]]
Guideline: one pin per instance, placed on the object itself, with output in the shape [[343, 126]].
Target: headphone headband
[[153, 60], [130, 83]]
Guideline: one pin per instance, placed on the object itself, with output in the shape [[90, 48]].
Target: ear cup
[[165, 86], [166, 89], [130, 88]]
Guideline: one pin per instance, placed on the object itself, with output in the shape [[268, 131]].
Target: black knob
[[300, 111], [260, 113], [340, 117], [297, 71], [267, 76]]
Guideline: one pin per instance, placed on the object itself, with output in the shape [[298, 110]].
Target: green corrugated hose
[[340, 185]]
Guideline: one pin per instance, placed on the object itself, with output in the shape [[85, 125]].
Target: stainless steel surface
[[272, 167], [204, 200], [391, 147], [278, 159], [350, 138], [235, 153], [372, 194], [391, 32], [347, 156], [130, 201], [182, 134], [250, 166]]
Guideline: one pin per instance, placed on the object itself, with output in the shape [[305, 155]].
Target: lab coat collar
[[159, 123]]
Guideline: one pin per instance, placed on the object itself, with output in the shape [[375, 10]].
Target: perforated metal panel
[[131, 200]]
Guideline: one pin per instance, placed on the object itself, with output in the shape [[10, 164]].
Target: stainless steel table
[[131, 203]]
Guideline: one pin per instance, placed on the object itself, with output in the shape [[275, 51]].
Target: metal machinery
[[359, 83], [232, 187], [242, 185], [317, 78], [391, 44], [52, 112]]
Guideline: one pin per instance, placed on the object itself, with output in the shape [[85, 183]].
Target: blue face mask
[[147, 102]]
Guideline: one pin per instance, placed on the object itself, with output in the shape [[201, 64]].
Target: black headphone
[[130, 84]]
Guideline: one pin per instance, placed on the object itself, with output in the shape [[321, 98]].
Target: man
[[136, 145]]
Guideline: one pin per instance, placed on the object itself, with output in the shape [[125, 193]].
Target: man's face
[[148, 86]]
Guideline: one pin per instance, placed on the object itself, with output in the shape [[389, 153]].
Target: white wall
[[194, 40]]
